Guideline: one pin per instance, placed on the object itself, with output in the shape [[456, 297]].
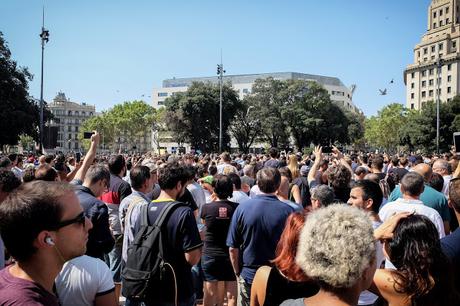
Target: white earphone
[[49, 240]]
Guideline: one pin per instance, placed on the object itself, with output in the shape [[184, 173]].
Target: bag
[[146, 263]]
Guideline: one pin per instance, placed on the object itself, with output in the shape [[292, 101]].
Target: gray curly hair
[[336, 245]]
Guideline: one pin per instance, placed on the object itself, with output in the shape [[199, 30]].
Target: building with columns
[[435, 71]]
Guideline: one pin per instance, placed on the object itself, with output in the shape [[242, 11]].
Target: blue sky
[[105, 52]]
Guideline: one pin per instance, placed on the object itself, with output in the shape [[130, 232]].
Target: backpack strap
[[165, 212]]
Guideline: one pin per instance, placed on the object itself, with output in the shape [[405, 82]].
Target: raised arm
[[318, 151], [89, 158]]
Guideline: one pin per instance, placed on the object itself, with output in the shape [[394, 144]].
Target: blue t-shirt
[[430, 197], [451, 247], [255, 229]]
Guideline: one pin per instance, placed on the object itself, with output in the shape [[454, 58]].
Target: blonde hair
[[336, 245], [293, 165]]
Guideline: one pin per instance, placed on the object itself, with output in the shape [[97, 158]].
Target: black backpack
[[146, 263], [302, 182]]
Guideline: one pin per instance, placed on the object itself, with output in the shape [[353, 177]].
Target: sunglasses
[[80, 219]]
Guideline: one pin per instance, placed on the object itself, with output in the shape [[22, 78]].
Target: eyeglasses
[[81, 219]]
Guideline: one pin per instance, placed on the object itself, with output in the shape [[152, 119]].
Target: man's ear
[[40, 241], [369, 203]]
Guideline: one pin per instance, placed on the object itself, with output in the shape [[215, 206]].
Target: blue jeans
[[197, 279], [113, 259]]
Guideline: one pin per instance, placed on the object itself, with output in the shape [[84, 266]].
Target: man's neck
[[40, 272], [167, 195], [410, 197], [90, 187]]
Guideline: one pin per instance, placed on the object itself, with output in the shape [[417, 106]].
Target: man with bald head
[[441, 166], [430, 197]]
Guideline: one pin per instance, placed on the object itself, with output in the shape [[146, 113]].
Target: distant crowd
[[235, 229]]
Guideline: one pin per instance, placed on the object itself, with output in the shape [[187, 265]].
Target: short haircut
[[225, 157], [371, 190], [248, 170], [441, 164], [116, 164], [223, 186], [395, 161], [49, 158], [8, 181], [286, 172], [268, 179], [377, 162], [273, 152], [436, 181], [412, 184], [5, 162], [324, 194], [28, 210], [236, 181], [361, 170], [139, 175], [190, 172], [403, 161], [97, 173], [336, 246], [171, 174], [46, 173], [212, 170], [454, 194]]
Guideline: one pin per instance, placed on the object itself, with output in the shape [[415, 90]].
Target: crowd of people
[[235, 229]]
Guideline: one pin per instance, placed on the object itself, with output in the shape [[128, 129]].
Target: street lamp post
[[220, 73], [44, 35], [438, 100]]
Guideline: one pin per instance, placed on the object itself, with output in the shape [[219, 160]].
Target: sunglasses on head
[[81, 219]]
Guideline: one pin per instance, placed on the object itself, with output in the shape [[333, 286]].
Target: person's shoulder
[[296, 302], [451, 245]]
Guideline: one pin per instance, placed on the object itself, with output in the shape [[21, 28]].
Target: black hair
[[8, 181], [28, 210], [171, 174], [436, 181], [49, 158], [116, 164], [139, 175], [212, 170], [235, 178], [97, 173], [5, 162], [371, 190], [223, 186], [423, 271], [46, 173], [190, 172], [273, 152], [12, 157]]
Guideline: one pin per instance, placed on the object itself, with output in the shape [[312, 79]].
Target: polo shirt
[[403, 205], [430, 197], [255, 229]]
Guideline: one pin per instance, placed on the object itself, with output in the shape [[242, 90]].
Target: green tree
[[193, 116], [245, 128], [385, 129], [19, 112]]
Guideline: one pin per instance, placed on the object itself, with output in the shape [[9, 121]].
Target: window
[[90, 113], [438, 81], [412, 85], [431, 71], [430, 93], [69, 113], [449, 67], [440, 47], [434, 25], [70, 137], [412, 95], [83, 113], [245, 90], [413, 74], [434, 14], [162, 94], [76, 113], [76, 129], [423, 73], [69, 129], [438, 91], [433, 48], [447, 20], [440, 23], [425, 51], [412, 106], [432, 57], [447, 10], [423, 94], [449, 89], [449, 99], [423, 83], [449, 78], [431, 82], [440, 12], [161, 102]]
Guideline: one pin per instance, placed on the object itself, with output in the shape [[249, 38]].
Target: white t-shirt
[[82, 279], [367, 297], [402, 205]]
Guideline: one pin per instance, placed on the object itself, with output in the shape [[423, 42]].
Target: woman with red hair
[[285, 280]]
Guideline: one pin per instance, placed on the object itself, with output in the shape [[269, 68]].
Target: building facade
[[68, 117], [435, 71], [339, 93]]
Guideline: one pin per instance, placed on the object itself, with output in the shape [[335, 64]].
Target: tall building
[[339, 93], [435, 71], [69, 116]]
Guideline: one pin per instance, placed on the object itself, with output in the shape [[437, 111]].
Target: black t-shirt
[[400, 172], [187, 198], [217, 216], [183, 236]]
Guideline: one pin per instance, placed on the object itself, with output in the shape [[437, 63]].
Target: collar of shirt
[[409, 201], [141, 194]]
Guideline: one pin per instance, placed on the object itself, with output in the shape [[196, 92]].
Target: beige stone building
[[69, 116], [435, 71]]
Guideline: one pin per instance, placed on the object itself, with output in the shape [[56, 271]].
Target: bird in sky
[[383, 92], [392, 81]]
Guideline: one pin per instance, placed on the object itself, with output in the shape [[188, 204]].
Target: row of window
[[431, 82], [58, 112], [430, 71], [441, 12], [431, 93], [337, 93]]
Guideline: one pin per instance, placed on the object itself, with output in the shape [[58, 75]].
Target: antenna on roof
[[353, 88]]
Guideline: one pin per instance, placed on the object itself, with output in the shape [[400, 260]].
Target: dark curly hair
[[339, 177], [423, 271]]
